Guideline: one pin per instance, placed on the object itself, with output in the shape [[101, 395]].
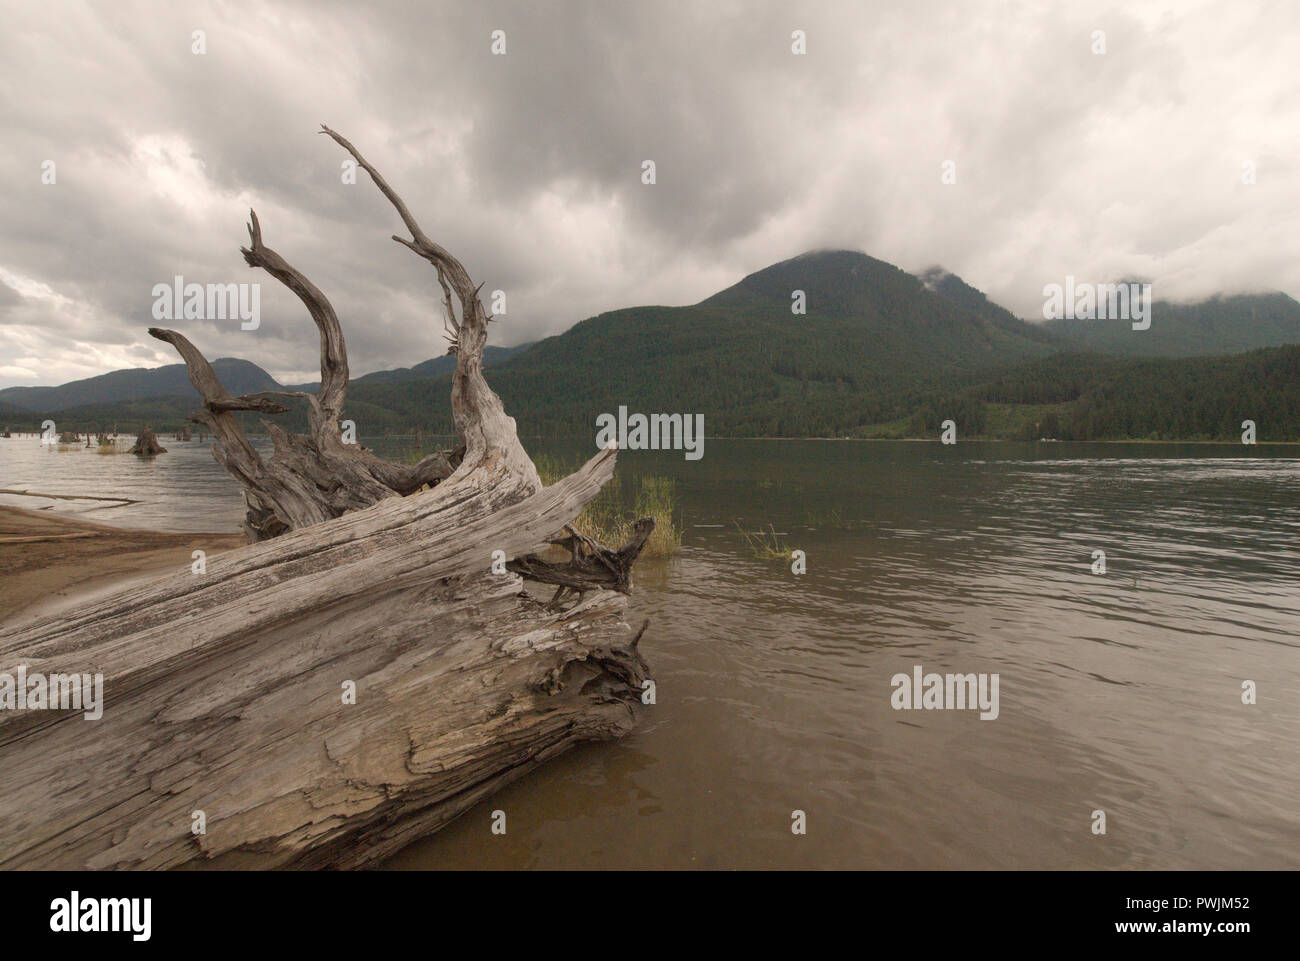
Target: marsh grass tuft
[[607, 517], [765, 545]]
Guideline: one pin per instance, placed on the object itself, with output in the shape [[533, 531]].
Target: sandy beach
[[48, 560]]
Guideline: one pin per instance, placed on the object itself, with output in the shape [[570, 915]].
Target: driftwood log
[[361, 673]]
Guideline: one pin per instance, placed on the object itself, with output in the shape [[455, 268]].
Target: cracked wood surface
[[223, 692]]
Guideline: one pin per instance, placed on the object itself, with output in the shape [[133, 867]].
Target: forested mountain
[[439, 366], [1096, 397], [134, 392], [878, 352], [239, 377], [952, 287], [435, 367], [871, 339], [1220, 325]]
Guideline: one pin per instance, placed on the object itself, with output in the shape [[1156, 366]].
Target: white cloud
[[528, 166]]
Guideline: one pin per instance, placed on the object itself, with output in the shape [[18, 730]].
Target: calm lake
[[1119, 692]]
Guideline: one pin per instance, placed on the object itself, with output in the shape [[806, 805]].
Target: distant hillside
[[879, 353], [436, 367], [119, 386], [163, 414], [439, 366], [1098, 397], [872, 337], [953, 288], [122, 391], [1220, 325]]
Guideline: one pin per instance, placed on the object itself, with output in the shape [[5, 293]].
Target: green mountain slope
[[879, 353], [1092, 397], [434, 367], [872, 337], [1220, 325], [238, 376]]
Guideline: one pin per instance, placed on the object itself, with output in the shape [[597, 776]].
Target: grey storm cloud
[[528, 165]]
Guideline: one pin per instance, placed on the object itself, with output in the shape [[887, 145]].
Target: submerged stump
[[146, 444]]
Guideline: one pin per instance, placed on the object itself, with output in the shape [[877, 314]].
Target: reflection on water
[[1119, 692]]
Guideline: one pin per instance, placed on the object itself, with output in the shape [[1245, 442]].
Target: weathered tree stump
[[147, 445], [354, 678]]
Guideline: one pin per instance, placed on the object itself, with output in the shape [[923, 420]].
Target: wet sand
[[48, 561]]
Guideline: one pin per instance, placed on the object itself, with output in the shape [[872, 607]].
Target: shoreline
[[50, 561]]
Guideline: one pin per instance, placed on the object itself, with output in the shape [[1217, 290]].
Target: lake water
[[1119, 692]]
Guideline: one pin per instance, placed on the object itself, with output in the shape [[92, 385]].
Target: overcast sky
[[528, 165]]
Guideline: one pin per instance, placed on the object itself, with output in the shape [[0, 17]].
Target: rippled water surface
[[1119, 693]]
